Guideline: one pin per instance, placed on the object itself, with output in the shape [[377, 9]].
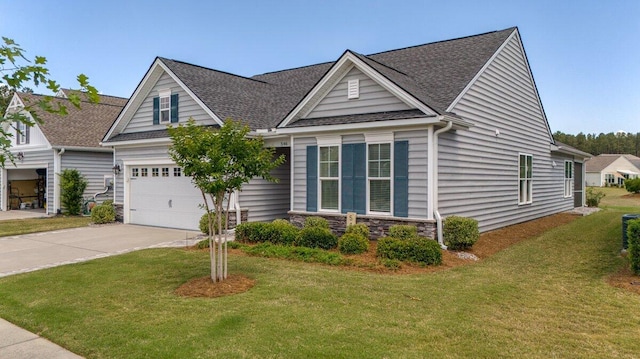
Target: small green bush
[[460, 232], [72, 186], [633, 251], [204, 224], [203, 244], [302, 254], [403, 231], [392, 264], [316, 237], [359, 229], [281, 231], [632, 185], [353, 243], [315, 221], [252, 232], [103, 213], [594, 197], [420, 249]]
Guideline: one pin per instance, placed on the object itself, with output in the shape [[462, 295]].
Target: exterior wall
[[33, 159], [94, 166], [265, 200], [378, 225], [373, 98], [478, 170], [299, 186], [142, 120], [595, 179]]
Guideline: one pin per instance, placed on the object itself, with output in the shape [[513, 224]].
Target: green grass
[[544, 297], [619, 198], [23, 226]]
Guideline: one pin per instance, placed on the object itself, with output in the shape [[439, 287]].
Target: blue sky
[[584, 55]]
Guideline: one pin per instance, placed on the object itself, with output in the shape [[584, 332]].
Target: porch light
[[20, 156], [116, 169]]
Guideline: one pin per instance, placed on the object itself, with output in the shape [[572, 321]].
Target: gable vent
[[353, 89]]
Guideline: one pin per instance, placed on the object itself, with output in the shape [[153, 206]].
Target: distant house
[[410, 135], [611, 169], [60, 142]]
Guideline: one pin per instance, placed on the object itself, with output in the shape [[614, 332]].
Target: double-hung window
[[525, 185], [165, 108], [22, 133], [329, 177], [379, 177], [568, 178]]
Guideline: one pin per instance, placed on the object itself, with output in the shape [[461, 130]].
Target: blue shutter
[[156, 110], [401, 178], [312, 178], [354, 185], [174, 108]]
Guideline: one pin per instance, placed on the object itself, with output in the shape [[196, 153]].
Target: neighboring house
[[58, 143], [404, 136], [612, 169]]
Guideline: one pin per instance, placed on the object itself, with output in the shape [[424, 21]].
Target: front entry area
[[161, 196]]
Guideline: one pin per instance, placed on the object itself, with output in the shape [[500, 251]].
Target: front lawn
[[15, 227], [543, 297]]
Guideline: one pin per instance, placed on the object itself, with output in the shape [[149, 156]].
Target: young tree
[[17, 71], [72, 186], [220, 161]]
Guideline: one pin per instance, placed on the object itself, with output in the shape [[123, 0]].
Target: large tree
[[220, 161], [17, 72]]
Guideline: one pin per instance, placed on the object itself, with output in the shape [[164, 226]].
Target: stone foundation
[[378, 225], [244, 215]]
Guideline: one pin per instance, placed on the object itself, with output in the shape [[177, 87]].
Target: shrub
[[594, 197], [420, 249], [303, 254], [632, 185], [460, 232], [281, 231], [104, 213], [204, 223], [359, 229], [72, 186], [203, 244], [252, 232], [633, 252], [403, 231], [315, 221], [316, 237], [353, 243], [392, 264]]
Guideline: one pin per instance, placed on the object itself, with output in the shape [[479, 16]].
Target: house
[[611, 169], [410, 135], [59, 142]]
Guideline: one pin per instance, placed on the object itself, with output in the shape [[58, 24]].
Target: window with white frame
[[22, 133], [379, 177], [525, 185], [568, 178], [609, 178], [329, 177], [165, 108], [177, 172]]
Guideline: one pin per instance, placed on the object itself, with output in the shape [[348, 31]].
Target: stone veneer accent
[[244, 215], [378, 225]]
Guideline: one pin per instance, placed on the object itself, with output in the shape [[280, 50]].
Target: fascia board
[[360, 126], [154, 141]]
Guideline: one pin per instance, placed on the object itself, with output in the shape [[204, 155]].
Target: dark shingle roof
[[358, 118], [600, 162], [434, 73], [81, 127]]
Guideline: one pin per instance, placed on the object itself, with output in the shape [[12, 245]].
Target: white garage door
[[161, 196]]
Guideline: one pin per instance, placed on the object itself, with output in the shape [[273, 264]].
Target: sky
[[584, 55]]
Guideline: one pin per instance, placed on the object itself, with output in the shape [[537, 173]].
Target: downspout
[[436, 213], [57, 165]]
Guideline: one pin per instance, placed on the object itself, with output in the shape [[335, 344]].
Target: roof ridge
[[294, 68], [210, 69], [381, 64], [443, 41]]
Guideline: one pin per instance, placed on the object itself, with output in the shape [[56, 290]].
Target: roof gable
[[601, 162]]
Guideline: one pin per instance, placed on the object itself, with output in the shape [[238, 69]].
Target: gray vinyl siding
[[93, 166], [135, 153], [417, 171], [478, 171], [142, 120], [300, 172], [266, 200], [373, 98]]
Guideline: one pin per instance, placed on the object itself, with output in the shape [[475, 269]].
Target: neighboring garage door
[[161, 196]]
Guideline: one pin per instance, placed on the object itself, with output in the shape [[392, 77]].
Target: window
[[568, 178], [165, 172], [610, 178], [22, 133], [135, 172], [525, 185], [155, 172], [144, 172], [329, 180], [177, 172], [379, 171], [165, 108]]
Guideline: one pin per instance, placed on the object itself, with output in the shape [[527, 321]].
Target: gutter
[[57, 165], [434, 186]]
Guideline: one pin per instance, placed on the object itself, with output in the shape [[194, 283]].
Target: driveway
[[29, 252]]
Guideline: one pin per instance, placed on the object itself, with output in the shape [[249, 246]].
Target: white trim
[[430, 173], [149, 161], [390, 178], [291, 173], [338, 178], [334, 75], [378, 137], [530, 181], [3, 188], [359, 126], [328, 140], [140, 143], [568, 181], [57, 167], [164, 92], [353, 89]]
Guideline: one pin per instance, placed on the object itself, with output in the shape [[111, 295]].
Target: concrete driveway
[[29, 252]]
